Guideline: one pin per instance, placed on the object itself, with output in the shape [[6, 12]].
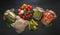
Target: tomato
[[31, 7], [22, 11], [26, 16], [23, 17], [27, 13], [28, 7], [20, 15], [19, 10], [30, 14]]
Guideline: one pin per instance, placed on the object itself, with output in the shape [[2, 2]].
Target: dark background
[[46, 4]]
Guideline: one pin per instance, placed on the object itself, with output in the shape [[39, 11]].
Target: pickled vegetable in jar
[[37, 14], [10, 15], [48, 17]]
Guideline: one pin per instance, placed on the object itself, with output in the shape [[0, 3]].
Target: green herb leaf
[[24, 12]]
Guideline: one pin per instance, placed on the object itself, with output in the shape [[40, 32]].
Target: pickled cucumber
[[32, 25], [34, 22], [37, 14]]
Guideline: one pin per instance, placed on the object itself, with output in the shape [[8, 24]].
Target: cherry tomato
[[31, 14], [23, 17], [31, 7], [28, 7], [27, 13], [19, 10], [20, 15], [28, 16]]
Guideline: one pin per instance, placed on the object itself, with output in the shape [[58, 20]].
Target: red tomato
[[23, 17], [30, 14], [27, 13], [19, 10], [20, 15], [31, 7], [26, 16], [28, 7]]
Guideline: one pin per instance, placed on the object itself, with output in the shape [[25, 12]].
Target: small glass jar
[[48, 16], [10, 15]]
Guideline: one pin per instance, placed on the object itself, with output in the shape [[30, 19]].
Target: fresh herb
[[24, 12]]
